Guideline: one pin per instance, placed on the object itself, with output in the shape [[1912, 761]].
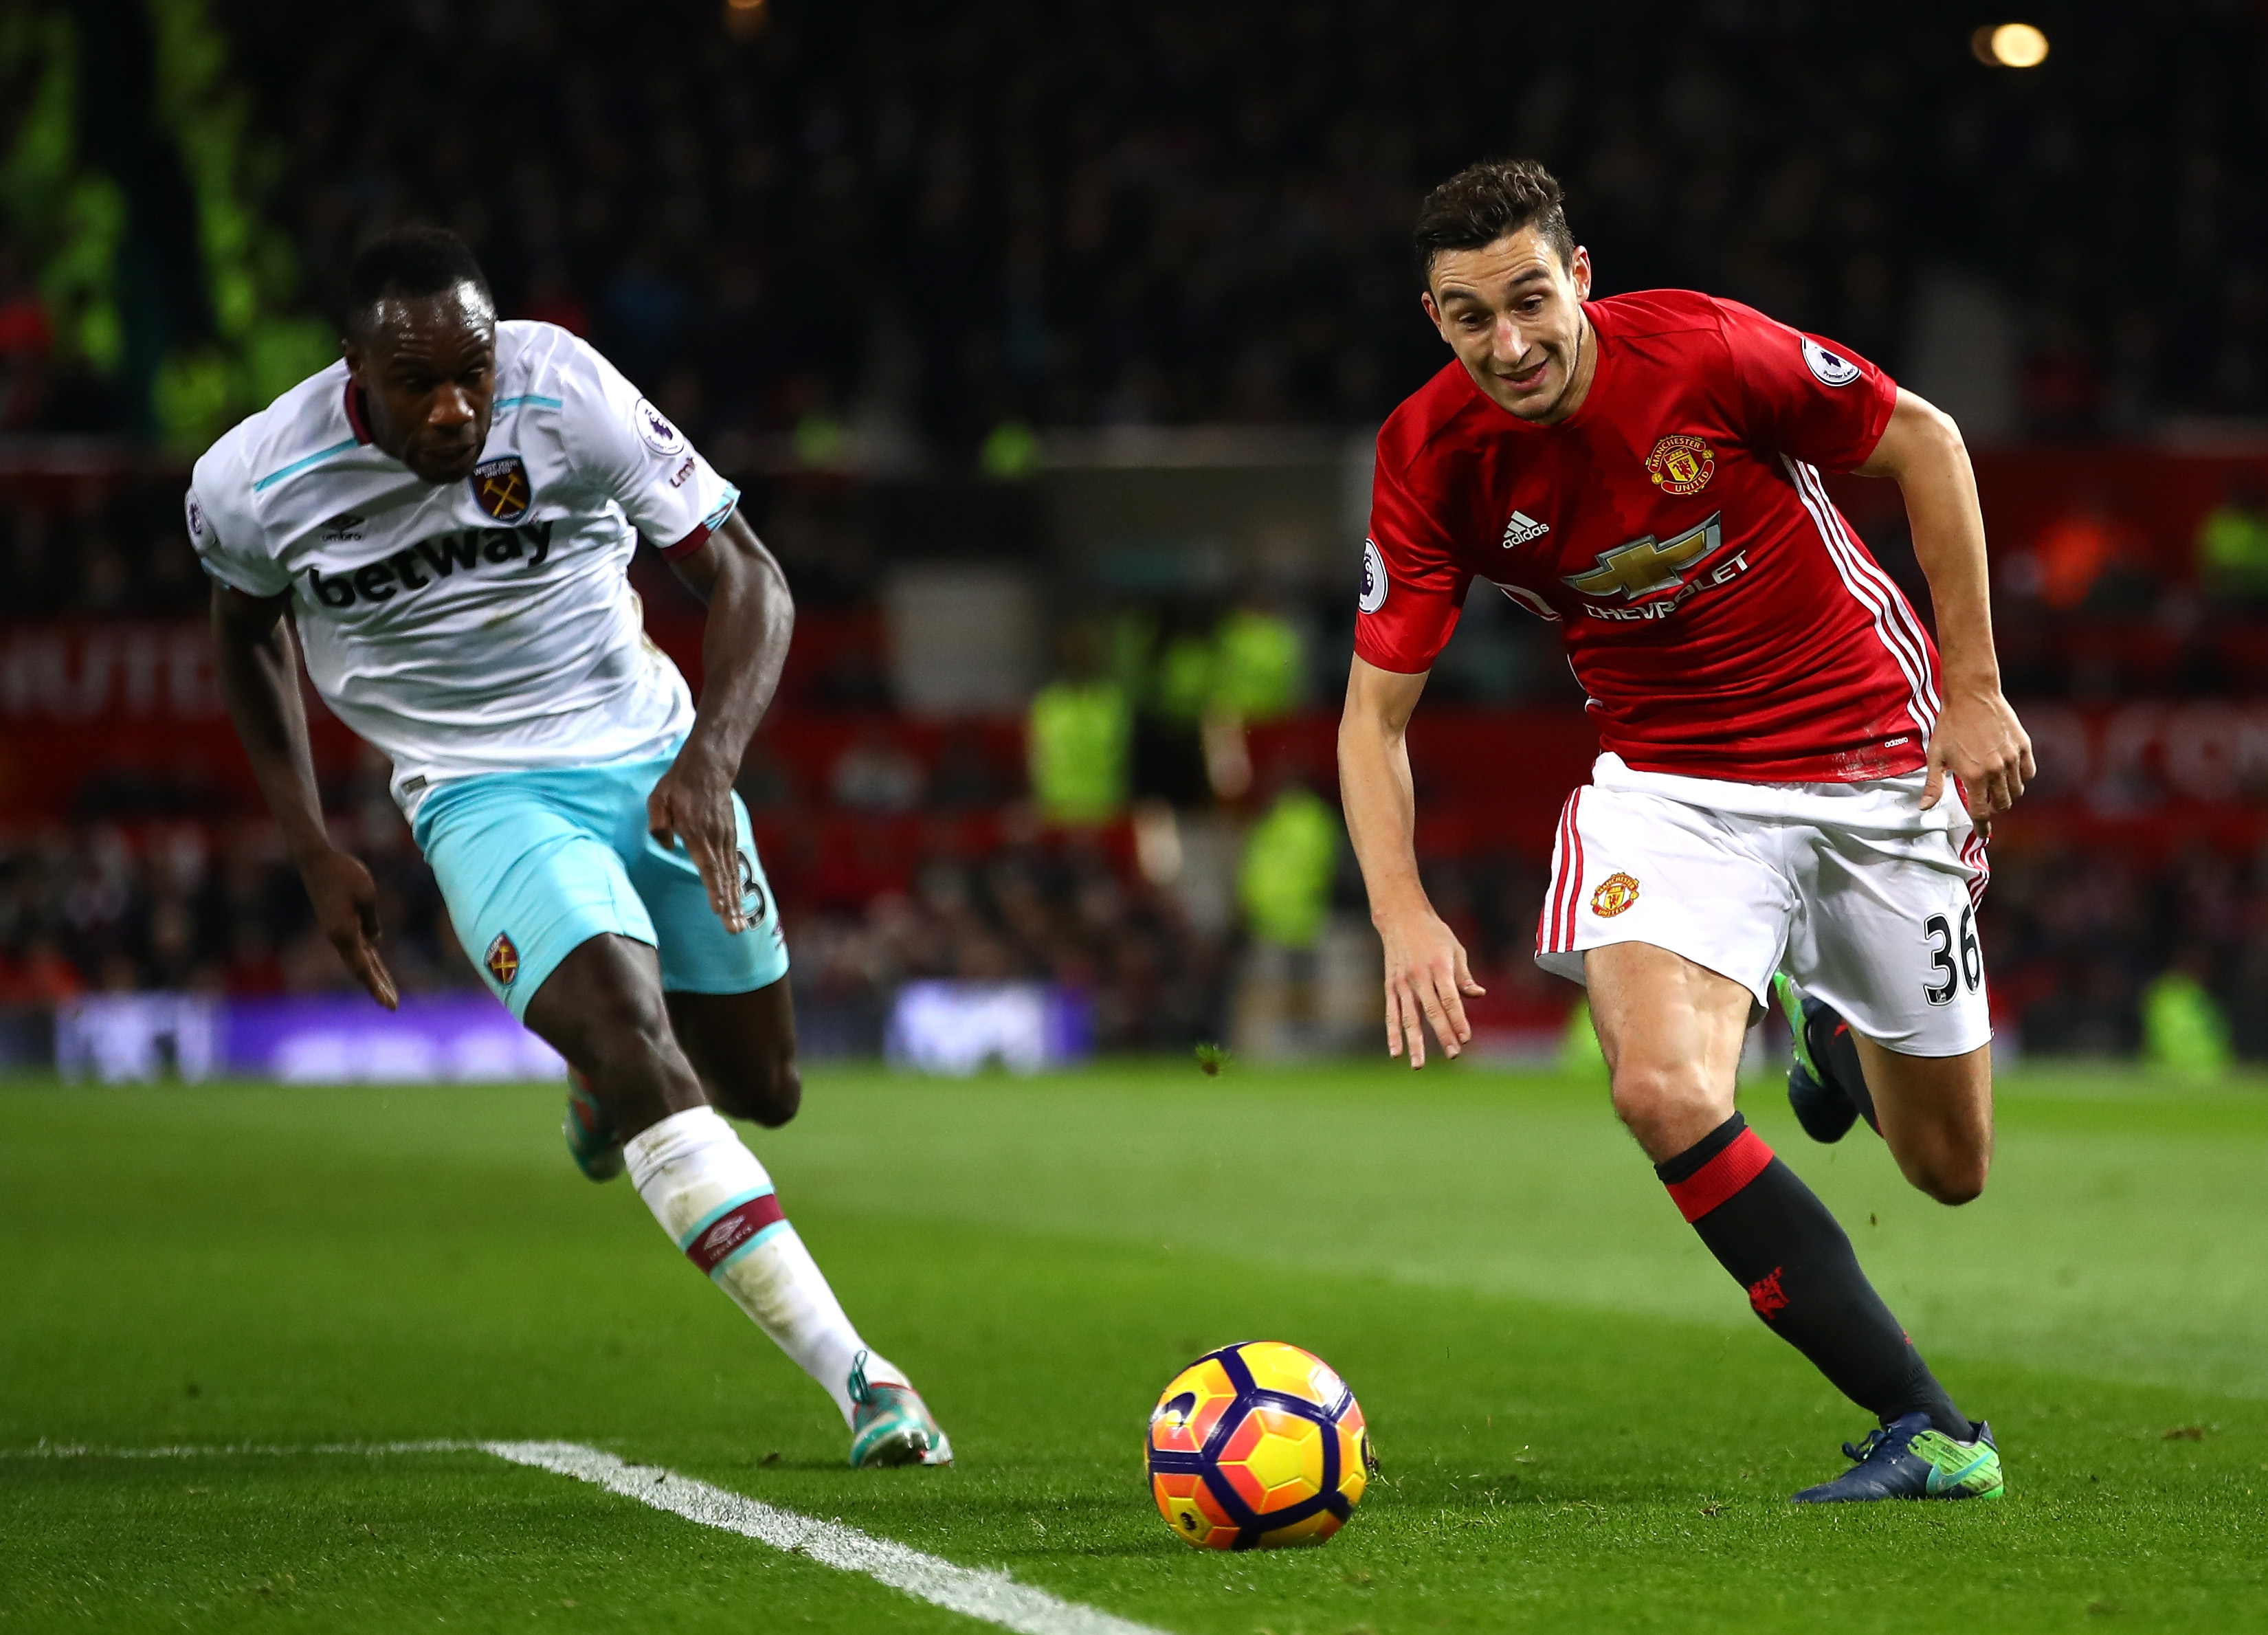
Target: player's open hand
[[1980, 741], [1427, 978], [692, 803], [346, 906]]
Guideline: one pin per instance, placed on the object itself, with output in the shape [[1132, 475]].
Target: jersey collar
[[353, 401]]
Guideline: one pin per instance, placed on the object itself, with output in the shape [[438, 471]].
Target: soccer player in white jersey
[[448, 515]]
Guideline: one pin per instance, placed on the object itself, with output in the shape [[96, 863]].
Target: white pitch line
[[994, 1597]]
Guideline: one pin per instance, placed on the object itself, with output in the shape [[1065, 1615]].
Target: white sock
[[717, 1204]]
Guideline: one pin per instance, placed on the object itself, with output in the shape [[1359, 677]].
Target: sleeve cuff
[[710, 524]]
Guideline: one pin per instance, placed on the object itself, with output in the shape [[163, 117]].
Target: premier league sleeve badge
[[500, 488]]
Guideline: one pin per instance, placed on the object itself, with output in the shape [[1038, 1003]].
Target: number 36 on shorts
[[1955, 960]]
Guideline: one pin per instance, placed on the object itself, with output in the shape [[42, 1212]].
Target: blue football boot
[[890, 1424], [1823, 1104], [1909, 1458]]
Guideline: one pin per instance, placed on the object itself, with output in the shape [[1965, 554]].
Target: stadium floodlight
[[2009, 45]]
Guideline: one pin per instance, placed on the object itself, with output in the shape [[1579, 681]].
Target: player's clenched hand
[[1426, 980], [1980, 741], [694, 803], [346, 906]]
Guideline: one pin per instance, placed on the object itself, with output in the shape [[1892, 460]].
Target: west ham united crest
[[500, 488], [503, 961]]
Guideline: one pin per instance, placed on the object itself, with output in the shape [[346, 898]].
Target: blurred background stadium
[[1047, 343]]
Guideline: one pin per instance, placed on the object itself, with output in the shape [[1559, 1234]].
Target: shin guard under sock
[[717, 1204], [1781, 1244]]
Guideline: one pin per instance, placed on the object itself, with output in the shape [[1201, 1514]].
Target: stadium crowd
[[215, 908], [913, 226], [146, 888], [2077, 938], [932, 221]]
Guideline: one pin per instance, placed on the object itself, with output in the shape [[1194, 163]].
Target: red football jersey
[[1723, 617]]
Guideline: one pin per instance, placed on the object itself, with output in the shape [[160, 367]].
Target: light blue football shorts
[[532, 865]]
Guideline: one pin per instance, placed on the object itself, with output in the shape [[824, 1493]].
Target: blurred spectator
[[1257, 669], [1080, 734], [2182, 1027], [1291, 859], [2089, 557], [2232, 548]]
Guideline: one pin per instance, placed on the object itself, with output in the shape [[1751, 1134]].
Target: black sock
[[1836, 1051], [1778, 1240]]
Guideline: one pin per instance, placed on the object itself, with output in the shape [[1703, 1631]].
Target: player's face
[[1512, 313], [427, 369]]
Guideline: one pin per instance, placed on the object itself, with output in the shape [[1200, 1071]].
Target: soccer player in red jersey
[[1791, 784]]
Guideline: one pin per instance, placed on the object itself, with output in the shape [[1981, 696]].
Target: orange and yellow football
[[1255, 1446]]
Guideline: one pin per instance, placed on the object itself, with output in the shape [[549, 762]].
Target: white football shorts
[[1853, 890]]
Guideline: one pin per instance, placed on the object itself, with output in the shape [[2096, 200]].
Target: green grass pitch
[[1583, 1428]]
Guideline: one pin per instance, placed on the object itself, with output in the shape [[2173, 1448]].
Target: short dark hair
[[1490, 201], [409, 261]]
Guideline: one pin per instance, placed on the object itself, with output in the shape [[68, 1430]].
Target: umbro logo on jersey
[[407, 571], [345, 525], [1522, 529]]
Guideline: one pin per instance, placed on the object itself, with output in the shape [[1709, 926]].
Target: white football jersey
[[480, 626]]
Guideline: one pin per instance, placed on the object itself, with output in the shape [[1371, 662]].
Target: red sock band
[[1739, 1163]]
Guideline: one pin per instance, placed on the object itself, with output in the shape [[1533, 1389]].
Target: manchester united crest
[[1614, 893], [500, 488], [1682, 464], [503, 961]]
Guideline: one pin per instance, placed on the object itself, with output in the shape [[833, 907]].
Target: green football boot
[[890, 1424], [1825, 1100], [1909, 1459], [591, 1139]]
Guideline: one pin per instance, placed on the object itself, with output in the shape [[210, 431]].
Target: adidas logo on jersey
[[1522, 529]]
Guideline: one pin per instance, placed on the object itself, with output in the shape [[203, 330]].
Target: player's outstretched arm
[[751, 617], [1977, 737], [1426, 973], [259, 667]]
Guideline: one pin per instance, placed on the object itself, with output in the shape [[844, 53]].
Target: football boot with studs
[[890, 1424], [1823, 1103], [1909, 1458]]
